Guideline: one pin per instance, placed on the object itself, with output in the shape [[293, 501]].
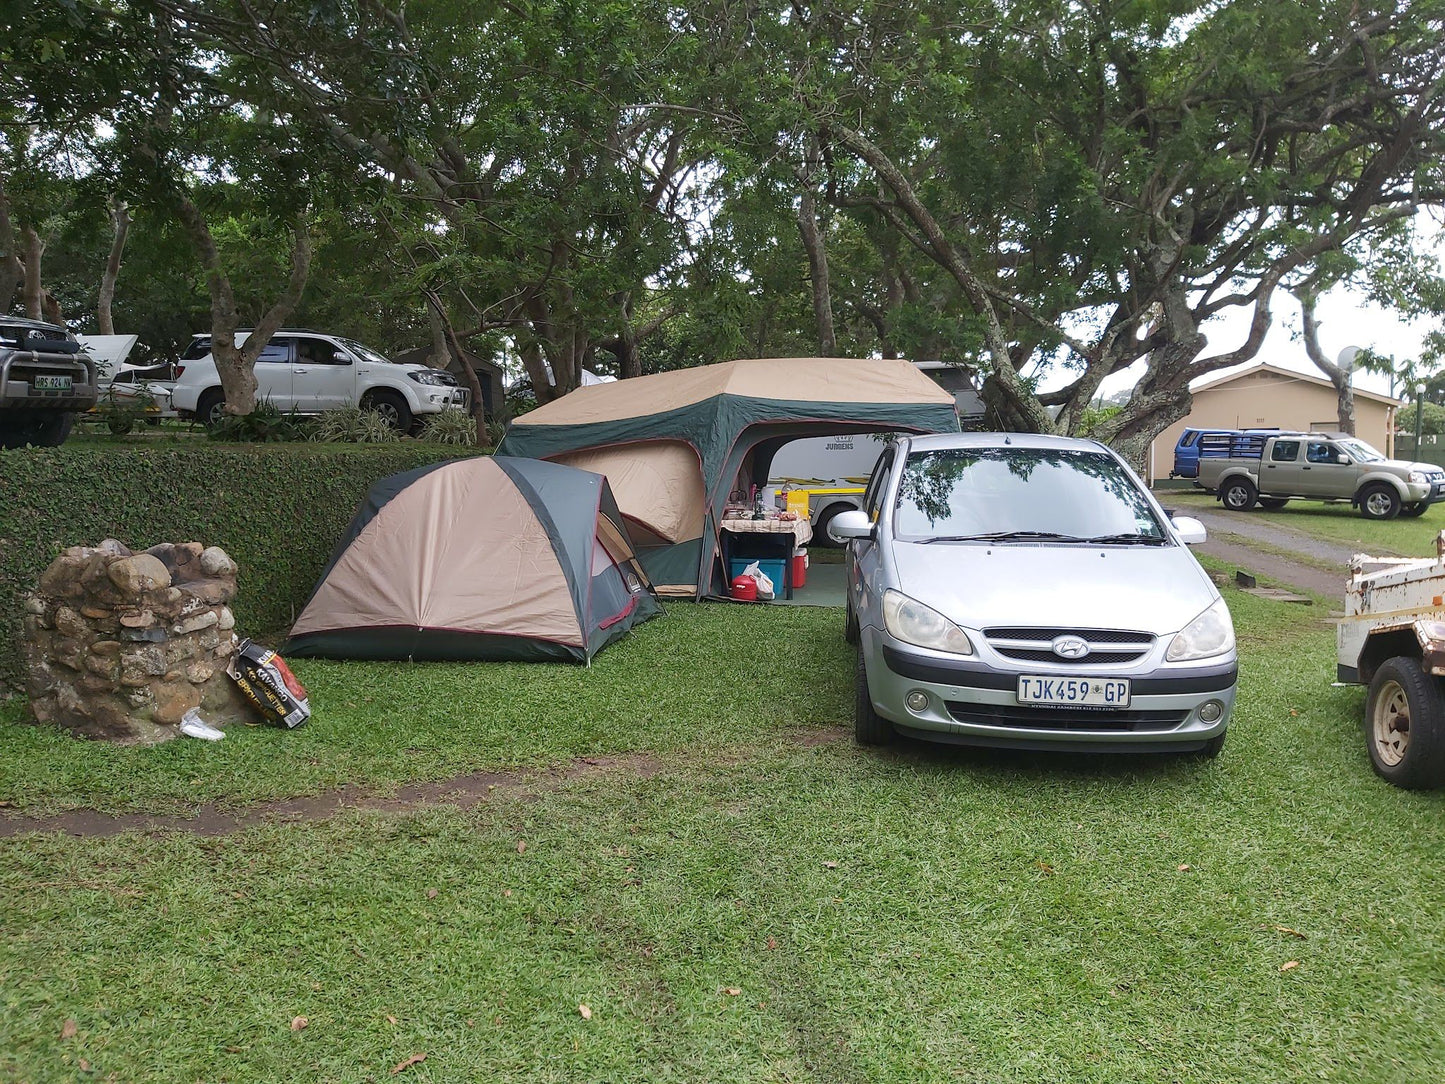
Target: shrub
[[354, 425], [277, 509], [450, 427], [264, 425]]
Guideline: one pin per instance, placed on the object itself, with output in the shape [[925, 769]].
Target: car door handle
[[1305, 468], [299, 370]]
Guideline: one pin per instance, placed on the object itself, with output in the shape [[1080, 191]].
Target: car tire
[[821, 535], [851, 633], [1405, 725], [1415, 509], [1273, 504], [1212, 748], [211, 408], [1238, 494], [869, 728], [391, 406], [1379, 502]]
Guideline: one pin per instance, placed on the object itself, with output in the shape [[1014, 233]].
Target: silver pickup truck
[[45, 378], [1273, 470]]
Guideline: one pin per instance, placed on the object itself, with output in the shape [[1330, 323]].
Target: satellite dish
[[1347, 357]]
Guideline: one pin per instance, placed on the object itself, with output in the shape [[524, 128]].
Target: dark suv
[[45, 378]]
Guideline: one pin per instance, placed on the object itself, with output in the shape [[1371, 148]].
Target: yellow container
[[798, 502]]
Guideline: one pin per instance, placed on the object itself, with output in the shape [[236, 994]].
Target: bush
[[450, 427], [355, 425], [264, 425], [278, 510]]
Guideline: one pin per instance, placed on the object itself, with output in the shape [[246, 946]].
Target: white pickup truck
[[1271, 470]]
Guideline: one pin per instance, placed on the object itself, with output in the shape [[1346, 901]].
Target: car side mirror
[[341, 357], [851, 524], [1342, 459], [1190, 531]]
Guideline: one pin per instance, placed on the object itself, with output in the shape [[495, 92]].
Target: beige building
[[1266, 396]]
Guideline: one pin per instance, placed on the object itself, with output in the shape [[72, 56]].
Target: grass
[[1340, 523], [755, 909]]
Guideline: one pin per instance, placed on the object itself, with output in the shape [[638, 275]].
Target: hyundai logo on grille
[[1069, 647]]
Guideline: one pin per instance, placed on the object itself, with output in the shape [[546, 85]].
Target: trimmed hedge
[[278, 509]]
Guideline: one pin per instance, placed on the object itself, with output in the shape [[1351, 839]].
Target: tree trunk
[[1339, 377], [236, 366], [34, 295], [440, 356], [817, 257], [50, 307], [629, 364], [453, 348], [120, 223], [12, 271], [535, 363]]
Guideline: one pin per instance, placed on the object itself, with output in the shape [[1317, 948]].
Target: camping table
[[768, 537]]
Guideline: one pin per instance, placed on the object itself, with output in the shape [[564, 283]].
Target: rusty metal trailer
[[1392, 639]]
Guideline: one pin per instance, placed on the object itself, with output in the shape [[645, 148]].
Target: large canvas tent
[[481, 558], [674, 445]]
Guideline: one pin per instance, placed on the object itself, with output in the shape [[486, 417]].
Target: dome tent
[[482, 558], [674, 444]]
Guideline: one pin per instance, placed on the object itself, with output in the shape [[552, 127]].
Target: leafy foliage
[[450, 427], [353, 425], [267, 424]]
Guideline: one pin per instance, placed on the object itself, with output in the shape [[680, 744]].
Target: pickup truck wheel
[[392, 408], [211, 408], [38, 428], [869, 727], [1379, 502], [1415, 509], [1405, 725], [1273, 504], [1238, 494]]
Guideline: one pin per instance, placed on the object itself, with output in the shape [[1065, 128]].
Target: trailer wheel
[[1238, 494], [1379, 502], [1405, 725]]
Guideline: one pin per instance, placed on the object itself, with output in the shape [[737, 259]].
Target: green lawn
[[754, 907], [1340, 523]]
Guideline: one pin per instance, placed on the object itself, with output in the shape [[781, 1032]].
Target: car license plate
[[1083, 692], [51, 383]]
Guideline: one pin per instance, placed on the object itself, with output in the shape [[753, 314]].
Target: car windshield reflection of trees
[[965, 493]]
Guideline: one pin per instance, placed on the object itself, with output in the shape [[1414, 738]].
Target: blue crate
[[772, 569]]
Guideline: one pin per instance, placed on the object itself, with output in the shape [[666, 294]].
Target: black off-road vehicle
[[45, 378]]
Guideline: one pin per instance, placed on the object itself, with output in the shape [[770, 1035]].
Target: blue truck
[[1196, 444]]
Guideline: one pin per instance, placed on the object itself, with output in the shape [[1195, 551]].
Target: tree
[[1341, 376]]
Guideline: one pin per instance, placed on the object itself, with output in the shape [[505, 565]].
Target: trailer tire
[[1379, 501], [1238, 494], [1405, 725], [869, 728], [821, 534]]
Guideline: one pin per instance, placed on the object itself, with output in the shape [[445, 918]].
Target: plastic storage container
[[800, 568], [771, 568]]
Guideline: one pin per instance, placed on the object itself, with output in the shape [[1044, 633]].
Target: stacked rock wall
[[121, 645]]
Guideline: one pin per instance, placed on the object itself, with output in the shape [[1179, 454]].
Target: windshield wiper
[[1004, 536], [1127, 539]]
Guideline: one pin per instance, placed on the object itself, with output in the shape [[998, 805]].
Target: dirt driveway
[[1263, 546]]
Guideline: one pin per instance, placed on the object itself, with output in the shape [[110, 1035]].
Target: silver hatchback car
[[1028, 591]]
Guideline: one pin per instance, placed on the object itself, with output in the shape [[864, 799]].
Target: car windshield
[[365, 353], [1359, 450], [1021, 494]]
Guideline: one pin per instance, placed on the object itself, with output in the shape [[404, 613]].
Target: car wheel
[[1379, 502], [1273, 504], [822, 530], [851, 632], [392, 408], [869, 727], [211, 408], [1404, 729], [1212, 748], [1415, 509], [1238, 494]]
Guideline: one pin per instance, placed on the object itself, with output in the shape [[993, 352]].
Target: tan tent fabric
[[828, 380], [657, 483], [494, 569]]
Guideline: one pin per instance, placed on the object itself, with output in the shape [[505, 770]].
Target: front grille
[[1110, 719], [1033, 645]]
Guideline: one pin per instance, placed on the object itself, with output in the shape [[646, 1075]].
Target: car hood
[[1156, 589]]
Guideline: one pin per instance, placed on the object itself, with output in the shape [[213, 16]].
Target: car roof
[[22, 321], [940, 441]]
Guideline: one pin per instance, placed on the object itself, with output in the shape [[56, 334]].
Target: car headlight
[[1419, 476], [909, 620], [431, 376], [1211, 633]]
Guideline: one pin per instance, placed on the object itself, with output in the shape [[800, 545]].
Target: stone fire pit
[[121, 645]]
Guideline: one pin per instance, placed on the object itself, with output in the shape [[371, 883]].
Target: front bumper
[[1424, 492], [434, 398], [972, 702]]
